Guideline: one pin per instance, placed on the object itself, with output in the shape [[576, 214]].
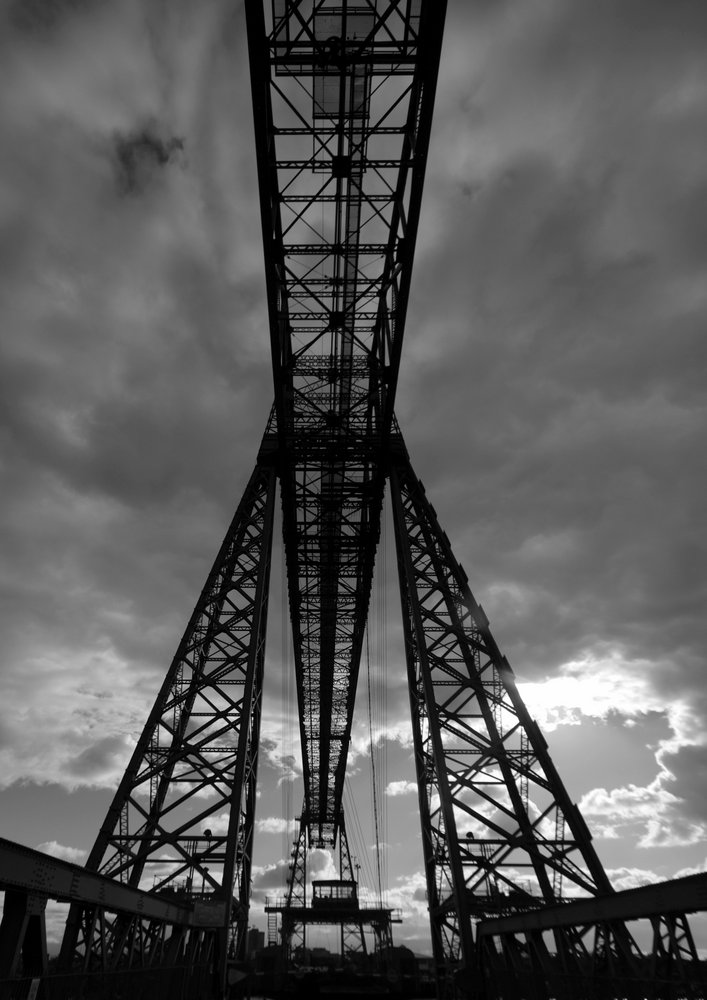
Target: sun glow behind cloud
[[594, 686], [666, 812]]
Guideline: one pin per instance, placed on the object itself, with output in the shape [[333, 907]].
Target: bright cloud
[[653, 809], [593, 687], [395, 788], [274, 824], [73, 854], [667, 812]]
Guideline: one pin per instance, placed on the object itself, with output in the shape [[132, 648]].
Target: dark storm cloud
[[140, 154], [567, 365], [129, 340], [41, 16]]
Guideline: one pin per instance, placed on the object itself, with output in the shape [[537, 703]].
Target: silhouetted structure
[[343, 98]]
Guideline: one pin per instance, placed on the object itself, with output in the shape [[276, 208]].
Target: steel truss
[[343, 96], [181, 821], [500, 833], [502, 842]]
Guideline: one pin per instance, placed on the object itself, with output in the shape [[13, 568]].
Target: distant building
[[255, 941]]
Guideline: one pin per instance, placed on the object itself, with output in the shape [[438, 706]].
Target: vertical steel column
[[23, 935], [296, 893], [450, 919], [353, 940]]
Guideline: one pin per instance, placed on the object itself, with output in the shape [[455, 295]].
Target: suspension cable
[[287, 735], [357, 838], [373, 775], [382, 662]]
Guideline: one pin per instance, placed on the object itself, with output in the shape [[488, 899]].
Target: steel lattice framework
[[343, 97], [499, 829], [197, 757]]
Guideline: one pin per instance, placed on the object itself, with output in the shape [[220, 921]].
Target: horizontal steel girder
[[38, 873], [681, 895]]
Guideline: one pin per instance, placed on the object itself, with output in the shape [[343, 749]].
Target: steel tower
[[343, 97]]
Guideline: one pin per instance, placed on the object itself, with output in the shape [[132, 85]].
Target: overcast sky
[[552, 396]]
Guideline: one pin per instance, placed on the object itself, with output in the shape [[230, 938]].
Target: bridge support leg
[[499, 831], [23, 936], [195, 761]]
